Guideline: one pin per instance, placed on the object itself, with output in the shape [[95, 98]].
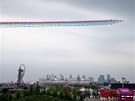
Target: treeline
[[39, 94], [57, 93]]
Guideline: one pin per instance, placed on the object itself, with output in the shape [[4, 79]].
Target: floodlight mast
[[57, 23]]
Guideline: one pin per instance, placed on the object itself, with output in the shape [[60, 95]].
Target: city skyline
[[89, 50], [83, 77]]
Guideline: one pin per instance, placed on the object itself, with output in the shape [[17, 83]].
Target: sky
[[86, 50]]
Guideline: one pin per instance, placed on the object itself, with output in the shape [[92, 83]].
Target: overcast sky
[[91, 50]]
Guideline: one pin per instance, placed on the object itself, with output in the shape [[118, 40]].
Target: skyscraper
[[101, 79], [108, 78]]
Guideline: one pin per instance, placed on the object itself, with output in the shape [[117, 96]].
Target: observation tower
[[21, 72]]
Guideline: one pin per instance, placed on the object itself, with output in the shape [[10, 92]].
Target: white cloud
[[103, 46]]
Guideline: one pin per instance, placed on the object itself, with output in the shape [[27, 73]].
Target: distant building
[[108, 78], [101, 79], [91, 79], [53, 79], [124, 80], [78, 77], [112, 80], [83, 77], [70, 76], [119, 85]]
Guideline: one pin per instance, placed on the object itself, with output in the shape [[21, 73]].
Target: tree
[[4, 90], [18, 95], [31, 90]]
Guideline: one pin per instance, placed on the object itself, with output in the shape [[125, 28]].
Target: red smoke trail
[[59, 23]]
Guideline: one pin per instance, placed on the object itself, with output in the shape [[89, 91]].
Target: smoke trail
[[58, 23]]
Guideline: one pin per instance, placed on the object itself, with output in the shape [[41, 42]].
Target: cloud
[[61, 10], [96, 49]]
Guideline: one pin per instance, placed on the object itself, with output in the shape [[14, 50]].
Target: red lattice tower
[[20, 75]]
